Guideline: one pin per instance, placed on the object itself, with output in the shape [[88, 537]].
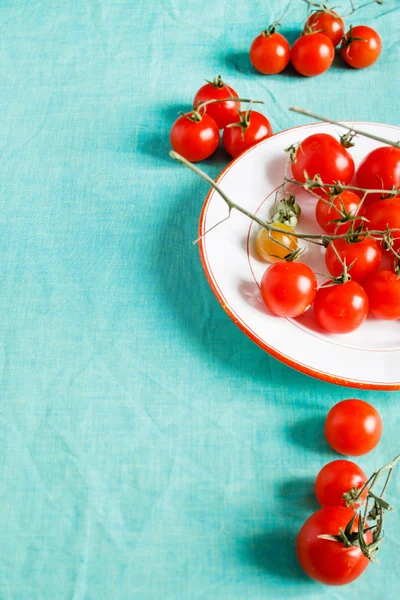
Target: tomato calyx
[[349, 38], [292, 152], [244, 122], [270, 30], [287, 211], [351, 497], [346, 140], [217, 82]]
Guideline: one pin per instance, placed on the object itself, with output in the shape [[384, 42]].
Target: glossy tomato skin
[[259, 129], [337, 478], [322, 154], [383, 291], [269, 244], [327, 561], [342, 307], [365, 255], [380, 169], [288, 288], [385, 214], [328, 23], [270, 53], [353, 427], [312, 54], [361, 53], [223, 113], [195, 140], [328, 210]]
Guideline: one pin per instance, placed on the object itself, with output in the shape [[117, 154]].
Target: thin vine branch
[[307, 113]]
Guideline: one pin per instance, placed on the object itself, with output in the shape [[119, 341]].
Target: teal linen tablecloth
[[148, 449]]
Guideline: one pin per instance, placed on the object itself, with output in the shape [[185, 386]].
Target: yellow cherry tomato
[[267, 246]]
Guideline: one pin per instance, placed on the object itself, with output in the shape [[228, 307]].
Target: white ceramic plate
[[367, 358]]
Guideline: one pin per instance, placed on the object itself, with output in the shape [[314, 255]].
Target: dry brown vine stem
[[308, 113], [320, 239]]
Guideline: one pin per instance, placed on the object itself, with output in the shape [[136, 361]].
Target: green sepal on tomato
[[328, 22], [361, 47], [338, 484], [362, 257]]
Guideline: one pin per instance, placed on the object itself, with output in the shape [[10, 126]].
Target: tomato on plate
[[312, 54], [334, 215], [322, 154], [353, 427], [288, 288], [327, 22], [252, 128], [327, 561], [195, 136], [383, 291], [340, 307], [361, 47], [385, 214], [270, 52], [223, 113], [363, 256], [379, 170], [274, 246], [338, 478]]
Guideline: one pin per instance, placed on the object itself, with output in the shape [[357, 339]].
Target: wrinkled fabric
[[148, 449]]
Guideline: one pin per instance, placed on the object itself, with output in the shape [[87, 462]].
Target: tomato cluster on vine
[[216, 106], [360, 228], [314, 51], [336, 543]]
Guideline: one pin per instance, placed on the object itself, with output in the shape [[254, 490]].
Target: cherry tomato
[[383, 291], [223, 113], [361, 47], [346, 204], [385, 214], [252, 128], [337, 478], [321, 154], [380, 169], [326, 561], [268, 244], [327, 22], [270, 52], [194, 136], [341, 307], [312, 54], [365, 256], [288, 288], [353, 427]]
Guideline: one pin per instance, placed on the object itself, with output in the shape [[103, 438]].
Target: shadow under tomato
[[275, 552], [309, 433], [298, 496]]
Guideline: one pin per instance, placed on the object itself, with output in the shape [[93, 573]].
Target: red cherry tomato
[[365, 256], [312, 54], [329, 211], [341, 307], [270, 52], [353, 427], [383, 291], [327, 22], [385, 214], [193, 138], [326, 561], [364, 51], [337, 478], [380, 170], [321, 154], [244, 135], [223, 113], [288, 288]]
